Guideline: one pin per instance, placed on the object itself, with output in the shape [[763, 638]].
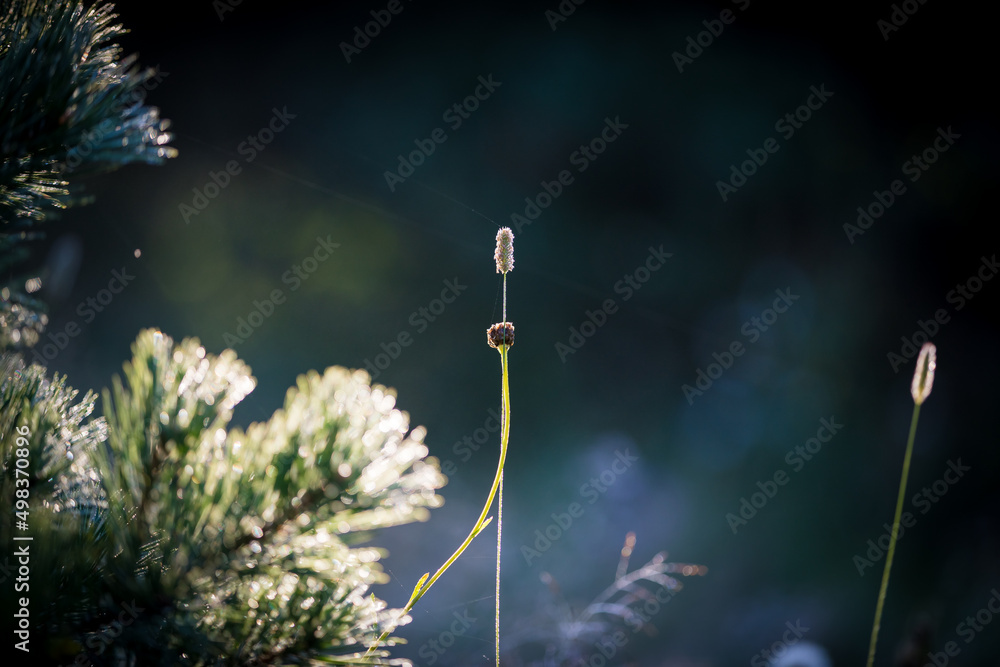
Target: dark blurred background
[[225, 69]]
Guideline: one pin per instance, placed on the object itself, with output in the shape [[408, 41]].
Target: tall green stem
[[501, 337], [503, 445], [892, 540], [425, 583]]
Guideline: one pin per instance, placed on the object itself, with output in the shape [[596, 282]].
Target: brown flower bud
[[501, 333]]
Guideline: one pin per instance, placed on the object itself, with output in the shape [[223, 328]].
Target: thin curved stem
[[425, 583], [892, 540]]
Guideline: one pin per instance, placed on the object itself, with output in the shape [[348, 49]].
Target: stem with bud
[[923, 379], [500, 336]]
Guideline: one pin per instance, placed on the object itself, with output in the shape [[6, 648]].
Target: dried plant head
[[923, 376], [567, 634], [504, 254], [501, 333]]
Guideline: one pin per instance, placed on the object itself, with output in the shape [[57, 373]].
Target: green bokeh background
[[655, 185]]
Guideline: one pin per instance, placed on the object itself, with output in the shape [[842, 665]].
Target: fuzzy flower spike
[[504, 254]]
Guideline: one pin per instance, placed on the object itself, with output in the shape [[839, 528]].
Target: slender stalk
[[504, 437], [503, 444], [895, 531], [499, 528]]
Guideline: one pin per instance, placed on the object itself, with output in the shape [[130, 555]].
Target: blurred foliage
[[71, 105], [156, 535], [558, 634], [225, 547]]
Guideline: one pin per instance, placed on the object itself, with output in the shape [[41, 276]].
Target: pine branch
[[240, 537], [70, 104], [231, 547], [65, 500]]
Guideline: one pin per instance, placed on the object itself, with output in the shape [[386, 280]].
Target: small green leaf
[[485, 523], [416, 589]]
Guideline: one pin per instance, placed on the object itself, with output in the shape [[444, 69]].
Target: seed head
[[501, 333], [923, 376], [504, 254]]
